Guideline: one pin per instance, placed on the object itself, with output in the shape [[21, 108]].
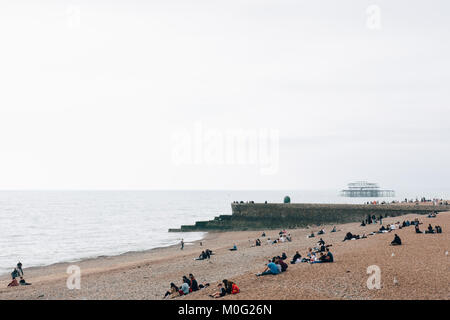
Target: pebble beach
[[418, 269]]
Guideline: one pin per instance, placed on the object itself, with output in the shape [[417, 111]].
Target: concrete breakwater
[[258, 216]]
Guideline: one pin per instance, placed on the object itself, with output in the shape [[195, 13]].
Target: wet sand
[[420, 266]]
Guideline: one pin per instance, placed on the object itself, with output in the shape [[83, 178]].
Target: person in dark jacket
[[193, 283], [397, 241], [296, 256]]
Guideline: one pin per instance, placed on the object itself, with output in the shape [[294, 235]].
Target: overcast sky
[[113, 94]]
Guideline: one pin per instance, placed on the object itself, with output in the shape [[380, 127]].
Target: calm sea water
[[44, 227]]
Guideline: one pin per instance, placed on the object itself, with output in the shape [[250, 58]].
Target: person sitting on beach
[[193, 283], [263, 234], [202, 256], [334, 229], [258, 243], [230, 287], [184, 289], [416, 227], [22, 282], [438, 229], [321, 232], [284, 256], [311, 235], [350, 236], [13, 283], [397, 241], [173, 292], [297, 256], [280, 262], [363, 224], [270, 269], [430, 229], [234, 248], [288, 237], [324, 257], [221, 293], [329, 256]]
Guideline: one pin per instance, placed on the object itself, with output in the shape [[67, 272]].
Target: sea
[[41, 228]]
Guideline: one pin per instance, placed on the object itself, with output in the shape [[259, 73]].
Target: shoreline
[[120, 256], [147, 274]]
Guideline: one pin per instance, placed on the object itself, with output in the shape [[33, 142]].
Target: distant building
[[364, 189]]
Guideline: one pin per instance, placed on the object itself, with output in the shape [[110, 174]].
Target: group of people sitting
[[205, 255], [189, 285], [225, 287], [321, 254], [436, 229], [18, 273], [275, 266], [283, 236], [321, 231], [432, 214]]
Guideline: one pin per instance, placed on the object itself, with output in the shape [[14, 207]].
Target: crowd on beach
[[191, 285], [319, 254], [276, 265]]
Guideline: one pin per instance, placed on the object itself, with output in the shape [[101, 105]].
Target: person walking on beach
[[182, 244]]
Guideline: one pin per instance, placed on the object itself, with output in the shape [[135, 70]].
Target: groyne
[[258, 216]]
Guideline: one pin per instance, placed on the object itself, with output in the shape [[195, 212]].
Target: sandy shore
[[420, 266]]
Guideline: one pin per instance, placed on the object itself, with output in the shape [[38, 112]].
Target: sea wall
[[257, 216]]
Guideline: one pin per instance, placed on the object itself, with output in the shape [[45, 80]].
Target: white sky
[[91, 92]]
